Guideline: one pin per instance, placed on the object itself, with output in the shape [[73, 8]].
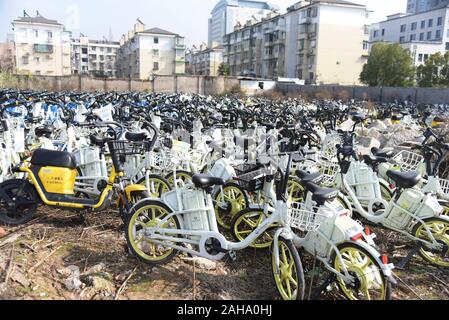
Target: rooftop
[[38, 19], [160, 31]]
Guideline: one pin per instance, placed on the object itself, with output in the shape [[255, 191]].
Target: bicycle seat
[[305, 176], [135, 137], [374, 161], [385, 153], [51, 158], [397, 117], [404, 180], [43, 131], [205, 182], [98, 141], [358, 117], [321, 195]]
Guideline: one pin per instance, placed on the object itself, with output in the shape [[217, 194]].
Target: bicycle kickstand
[[403, 263], [317, 292]]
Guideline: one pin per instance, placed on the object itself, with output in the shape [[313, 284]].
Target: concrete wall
[[377, 94], [170, 84]]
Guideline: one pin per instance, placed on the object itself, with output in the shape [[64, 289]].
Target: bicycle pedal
[[232, 255]]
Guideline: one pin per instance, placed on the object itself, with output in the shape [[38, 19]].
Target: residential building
[[417, 6], [204, 61], [257, 49], [145, 53], [94, 57], [228, 13], [423, 33], [42, 46], [7, 55]]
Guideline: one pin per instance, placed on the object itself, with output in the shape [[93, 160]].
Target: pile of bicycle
[[209, 176]]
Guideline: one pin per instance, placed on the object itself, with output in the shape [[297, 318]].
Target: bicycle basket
[[118, 151], [444, 184], [245, 168], [329, 170], [408, 161], [304, 219], [253, 181]]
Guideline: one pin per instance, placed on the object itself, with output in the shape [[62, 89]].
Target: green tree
[[388, 65], [224, 70], [434, 72]]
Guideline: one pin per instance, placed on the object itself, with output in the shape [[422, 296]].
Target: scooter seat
[[385, 153], [135, 137], [321, 195], [358, 117], [98, 141], [43, 131], [205, 182], [51, 158], [374, 161], [404, 180], [305, 176]]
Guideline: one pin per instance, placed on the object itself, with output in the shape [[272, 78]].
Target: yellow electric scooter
[[50, 179]]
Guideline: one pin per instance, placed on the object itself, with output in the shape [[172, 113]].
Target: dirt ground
[[59, 255]]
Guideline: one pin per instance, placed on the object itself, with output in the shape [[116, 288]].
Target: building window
[[156, 66], [438, 34], [412, 37], [440, 21], [403, 28], [420, 57], [376, 33], [423, 24], [421, 36], [84, 60], [94, 49], [383, 32], [402, 39], [36, 33], [447, 45], [25, 60], [156, 39], [430, 23], [109, 50], [426, 56], [414, 25], [37, 59], [156, 53], [429, 35], [50, 34], [365, 45], [84, 50]]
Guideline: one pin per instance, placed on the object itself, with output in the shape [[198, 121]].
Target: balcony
[[43, 48]]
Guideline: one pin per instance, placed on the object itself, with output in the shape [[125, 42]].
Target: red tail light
[[367, 231], [384, 259], [392, 186], [357, 237]]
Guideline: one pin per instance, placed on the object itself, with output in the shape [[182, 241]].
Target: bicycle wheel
[[386, 192], [289, 281], [245, 222], [184, 176], [369, 281], [295, 190], [235, 200], [158, 185], [440, 230], [146, 214]]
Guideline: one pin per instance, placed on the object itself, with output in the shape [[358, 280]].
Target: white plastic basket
[[330, 143], [444, 184], [408, 161], [329, 170], [304, 219]]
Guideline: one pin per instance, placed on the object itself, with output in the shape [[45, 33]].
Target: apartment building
[[145, 52], [327, 41], [423, 33], [257, 48], [417, 6], [204, 61], [228, 13], [42, 46], [96, 58]]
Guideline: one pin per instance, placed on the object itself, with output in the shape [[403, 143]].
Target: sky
[[98, 18]]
